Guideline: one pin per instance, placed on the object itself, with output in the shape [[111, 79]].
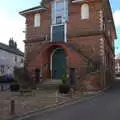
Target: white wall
[[8, 61]]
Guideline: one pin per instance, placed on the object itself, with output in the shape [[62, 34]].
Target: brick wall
[[75, 26], [94, 37]]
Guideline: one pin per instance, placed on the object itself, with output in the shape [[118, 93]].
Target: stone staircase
[[49, 84]]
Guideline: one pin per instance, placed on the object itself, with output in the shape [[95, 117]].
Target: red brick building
[[71, 36]]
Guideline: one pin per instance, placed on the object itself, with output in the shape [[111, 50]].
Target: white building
[[117, 65], [10, 57]]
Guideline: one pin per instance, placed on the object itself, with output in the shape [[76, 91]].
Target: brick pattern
[[89, 36], [101, 20]]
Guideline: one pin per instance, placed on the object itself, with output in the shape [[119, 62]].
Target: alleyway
[[103, 107]]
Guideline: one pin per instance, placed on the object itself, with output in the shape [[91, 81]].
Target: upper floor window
[[2, 68], [58, 20], [15, 58], [37, 20], [85, 11], [59, 11], [22, 60]]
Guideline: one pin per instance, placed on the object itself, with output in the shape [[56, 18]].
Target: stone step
[[49, 84], [52, 82]]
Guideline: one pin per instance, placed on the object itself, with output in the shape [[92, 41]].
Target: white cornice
[[31, 11], [75, 1]]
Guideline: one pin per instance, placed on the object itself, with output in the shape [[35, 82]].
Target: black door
[[72, 77], [37, 75]]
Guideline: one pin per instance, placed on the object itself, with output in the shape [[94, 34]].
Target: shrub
[[15, 87], [64, 88], [22, 78], [64, 79]]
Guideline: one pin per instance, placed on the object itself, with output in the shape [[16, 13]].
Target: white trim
[[55, 11], [102, 49], [85, 11], [54, 14], [51, 33], [53, 4], [31, 11], [52, 59], [118, 67], [64, 17], [37, 20], [101, 20], [65, 31], [75, 1]]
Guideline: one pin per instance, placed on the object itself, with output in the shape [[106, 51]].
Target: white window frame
[[64, 17], [85, 11], [37, 20], [51, 58], [65, 31], [53, 18]]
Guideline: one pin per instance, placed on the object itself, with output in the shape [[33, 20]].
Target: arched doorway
[[58, 63]]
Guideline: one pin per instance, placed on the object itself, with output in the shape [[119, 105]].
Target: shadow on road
[[115, 88]]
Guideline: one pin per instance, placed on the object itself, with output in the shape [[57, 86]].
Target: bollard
[[12, 107], [2, 88], [56, 97], [72, 92]]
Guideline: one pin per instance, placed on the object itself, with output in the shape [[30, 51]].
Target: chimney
[[15, 45], [12, 44]]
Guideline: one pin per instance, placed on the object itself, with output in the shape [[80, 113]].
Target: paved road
[[103, 107]]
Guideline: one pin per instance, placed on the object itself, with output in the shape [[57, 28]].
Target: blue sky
[[115, 4], [12, 24]]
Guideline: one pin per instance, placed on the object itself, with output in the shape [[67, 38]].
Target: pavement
[[35, 101], [25, 104], [105, 106]]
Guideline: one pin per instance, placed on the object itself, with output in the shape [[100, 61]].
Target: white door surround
[[65, 31], [60, 10]]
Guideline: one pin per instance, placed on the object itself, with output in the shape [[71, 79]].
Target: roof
[[42, 7], [110, 9], [11, 50], [33, 9]]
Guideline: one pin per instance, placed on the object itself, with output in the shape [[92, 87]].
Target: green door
[[58, 64]]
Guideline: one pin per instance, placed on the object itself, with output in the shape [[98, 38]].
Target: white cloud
[[12, 27], [116, 16]]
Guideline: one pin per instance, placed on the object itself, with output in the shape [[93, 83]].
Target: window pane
[[60, 6], [60, 9], [37, 20], [85, 11], [58, 20], [58, 33]]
